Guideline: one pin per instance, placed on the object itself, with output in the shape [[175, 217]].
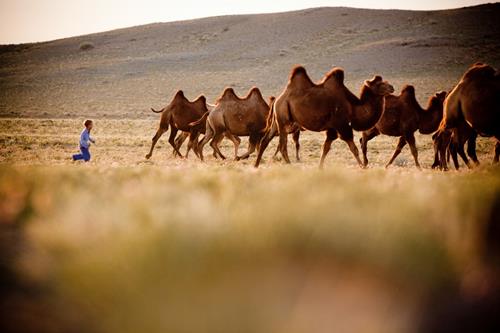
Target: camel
[[179, 114], [328, 106], [402, 117], [476, 100], [460, 135], [234, 117]]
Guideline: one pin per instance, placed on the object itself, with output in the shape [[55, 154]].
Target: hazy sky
[[41, 20]]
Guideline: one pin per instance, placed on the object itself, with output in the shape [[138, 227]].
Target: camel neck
[[368, 113]]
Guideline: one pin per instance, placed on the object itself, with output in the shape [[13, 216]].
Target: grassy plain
[[124, 244]]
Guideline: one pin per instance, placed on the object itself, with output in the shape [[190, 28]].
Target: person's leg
[[86, 154], [78, 157]]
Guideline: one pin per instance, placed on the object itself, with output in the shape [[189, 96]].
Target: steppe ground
[[125, 244]]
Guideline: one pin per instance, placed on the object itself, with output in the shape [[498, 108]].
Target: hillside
[[129, 70]]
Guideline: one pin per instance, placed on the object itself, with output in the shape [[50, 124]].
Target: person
[[85, 141]]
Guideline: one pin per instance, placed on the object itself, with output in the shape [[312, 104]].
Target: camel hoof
[[148, 156]]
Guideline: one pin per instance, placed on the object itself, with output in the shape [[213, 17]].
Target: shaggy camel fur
[[328, 106]]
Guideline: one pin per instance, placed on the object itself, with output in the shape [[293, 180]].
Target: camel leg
[[296, 137], [445, 138], [345, 133], [236, 141], [214, 144], [172, 141], [264, 142], [497, 152], [216, 141], [193, 143], [155, 139], [471, 148], [401, 144], [278, 149], [435, 146], [284, 146], [209, 134], [413, 148], [367, 136], [179, 141], [452, 152], [214, 152], [331, 135], [461, 152], [253, 140]]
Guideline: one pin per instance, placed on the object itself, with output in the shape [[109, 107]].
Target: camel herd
[[472, 108]]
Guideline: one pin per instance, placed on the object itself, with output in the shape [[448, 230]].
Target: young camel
[[402, 117], [476, 100], [328, 106], [460, 135], [178, 114], [234, 117]]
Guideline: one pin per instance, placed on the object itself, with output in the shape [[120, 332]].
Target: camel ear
[[441, 94]]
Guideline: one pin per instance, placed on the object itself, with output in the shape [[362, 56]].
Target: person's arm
[[91, 139]]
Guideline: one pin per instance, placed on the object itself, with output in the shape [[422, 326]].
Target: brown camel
[[460, 135], [402, 117], [475, 99], [328, 106], [179, 114], [234, 117]]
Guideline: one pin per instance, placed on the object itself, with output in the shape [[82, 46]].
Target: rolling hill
[[128, 70]]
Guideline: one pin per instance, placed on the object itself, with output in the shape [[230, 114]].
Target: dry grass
[[122, 244]]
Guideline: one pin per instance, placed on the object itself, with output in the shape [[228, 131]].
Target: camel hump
[[297, 70], [179, 93], [479, 71], [408, 89], [299, 77], [337, 74], [202, 99], [227, 94], [254, 90]]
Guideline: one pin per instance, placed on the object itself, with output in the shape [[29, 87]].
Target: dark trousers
[[85, 155]]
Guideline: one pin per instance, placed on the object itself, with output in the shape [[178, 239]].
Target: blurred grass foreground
[[218, 249]]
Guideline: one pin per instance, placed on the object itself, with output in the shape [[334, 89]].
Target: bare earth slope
[[134, 68]]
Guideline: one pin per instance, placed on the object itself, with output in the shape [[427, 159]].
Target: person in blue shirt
[[85, 141]]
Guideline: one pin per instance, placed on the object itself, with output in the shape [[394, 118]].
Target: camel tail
[[270, 116], [160, 111], [200, 121]]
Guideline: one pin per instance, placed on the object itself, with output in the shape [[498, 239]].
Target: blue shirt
[[85, 139]]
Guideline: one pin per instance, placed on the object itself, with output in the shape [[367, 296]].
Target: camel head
[[441, 96], [437, 100], [379, 87]]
